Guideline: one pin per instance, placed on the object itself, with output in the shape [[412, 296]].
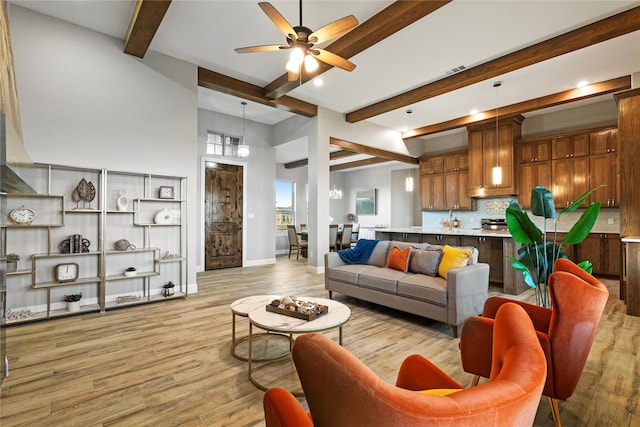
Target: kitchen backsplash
[[608, 221]]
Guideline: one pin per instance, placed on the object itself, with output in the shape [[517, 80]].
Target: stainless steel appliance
[[493, 223]]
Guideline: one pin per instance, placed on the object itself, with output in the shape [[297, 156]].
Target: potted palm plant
[[537, 255], [73, 302], [12, 262]]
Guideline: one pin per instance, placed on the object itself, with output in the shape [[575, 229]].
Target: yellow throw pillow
[[453, 258], [440, 391], [399, 258]]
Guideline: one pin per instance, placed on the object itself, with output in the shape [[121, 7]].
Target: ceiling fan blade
[[333, 29], [279, 20], [333, 59], [263, 48]]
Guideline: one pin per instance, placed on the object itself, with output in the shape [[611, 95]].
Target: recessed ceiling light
[[582, 84], [318, 81], [473, 112]]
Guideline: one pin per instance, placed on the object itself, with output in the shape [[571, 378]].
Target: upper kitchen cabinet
[[431, 165], [566, 147], [486, 151], [605, 167]]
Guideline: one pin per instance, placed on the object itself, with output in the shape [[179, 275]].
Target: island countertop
[[447, 231]]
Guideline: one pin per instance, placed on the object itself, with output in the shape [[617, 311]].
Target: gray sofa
[[461, 295]]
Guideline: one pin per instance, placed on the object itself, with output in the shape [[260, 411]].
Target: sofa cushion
[[453, 258], [347, 273], [399, 259], [474, 252], [425, 261], [379, 255], [425, 288], [383, 279]]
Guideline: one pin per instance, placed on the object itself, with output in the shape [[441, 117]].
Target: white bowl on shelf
[[130, 273]]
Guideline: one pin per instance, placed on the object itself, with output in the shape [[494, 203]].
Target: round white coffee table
[[336, 317]]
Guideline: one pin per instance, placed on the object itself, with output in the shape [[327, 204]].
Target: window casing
[[285, 204], [220, 144]]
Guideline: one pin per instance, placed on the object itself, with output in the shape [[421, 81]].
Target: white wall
[[84, 102]]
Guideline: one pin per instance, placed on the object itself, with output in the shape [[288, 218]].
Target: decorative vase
[[164, 216], [12, 267], [167, 292], [73, 306], [122, 201], [130, 273]]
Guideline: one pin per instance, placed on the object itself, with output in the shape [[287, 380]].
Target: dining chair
[[355, 232], [294, 242], [333, 237], [345, 240]]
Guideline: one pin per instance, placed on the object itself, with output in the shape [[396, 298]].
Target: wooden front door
[[223, 216]]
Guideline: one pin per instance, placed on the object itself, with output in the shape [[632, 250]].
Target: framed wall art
[[366, 202]]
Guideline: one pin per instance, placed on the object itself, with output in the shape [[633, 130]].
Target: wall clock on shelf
[[66, 272], [22, 216]]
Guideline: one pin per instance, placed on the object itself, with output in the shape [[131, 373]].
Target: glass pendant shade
[[408, 184], [496, 175], [243, 149]]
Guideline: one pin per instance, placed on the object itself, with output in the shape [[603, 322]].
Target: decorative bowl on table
[[293, 307]]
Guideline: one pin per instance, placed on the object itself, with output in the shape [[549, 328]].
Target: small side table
[[242, 307]]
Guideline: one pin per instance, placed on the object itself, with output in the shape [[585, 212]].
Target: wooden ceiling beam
[[390, 20], [145, 20], [567, 96], [597, 32], [376, 152], [229, 85], [332, 156], [358, 163]]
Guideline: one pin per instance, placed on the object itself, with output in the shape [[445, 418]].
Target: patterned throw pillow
[[399, 258]]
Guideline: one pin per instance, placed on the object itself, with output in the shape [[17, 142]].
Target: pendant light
[[243, 149], [334, 193], [496, 172], [408, 181]]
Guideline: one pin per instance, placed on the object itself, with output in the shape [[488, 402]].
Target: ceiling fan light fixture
[[297, 55], [310, 63], [292, 66]]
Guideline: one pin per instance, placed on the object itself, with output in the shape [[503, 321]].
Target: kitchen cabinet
[[529, 176], [570, 180], [486, 151], [431, 165], [604, 165], [534, 151], [456, 196], [456, 161], [570, 146], [490, 251], [604, 141], [441, 239], [431, 192], [603, 250]]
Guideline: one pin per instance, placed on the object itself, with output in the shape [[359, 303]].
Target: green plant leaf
[[542, 203], [520, 226], [575, 205], [586, 266], [528, 278], [583, 226]]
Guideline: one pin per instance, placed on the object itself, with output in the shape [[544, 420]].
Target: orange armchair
[[566, 332], [343, 391]]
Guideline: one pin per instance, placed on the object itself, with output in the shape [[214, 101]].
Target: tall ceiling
[[459, 33]]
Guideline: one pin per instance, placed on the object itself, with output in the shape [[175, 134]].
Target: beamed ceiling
[[402, 51]]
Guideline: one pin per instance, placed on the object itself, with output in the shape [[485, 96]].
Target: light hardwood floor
[[169, 364]]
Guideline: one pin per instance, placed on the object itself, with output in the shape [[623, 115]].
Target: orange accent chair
[[342, 391], [566, 332]]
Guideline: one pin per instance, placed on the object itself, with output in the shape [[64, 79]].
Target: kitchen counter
[[446, 231]]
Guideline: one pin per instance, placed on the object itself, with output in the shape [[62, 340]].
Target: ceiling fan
[[302, 41]]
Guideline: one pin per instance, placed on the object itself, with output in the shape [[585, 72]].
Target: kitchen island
[[494, 246]]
